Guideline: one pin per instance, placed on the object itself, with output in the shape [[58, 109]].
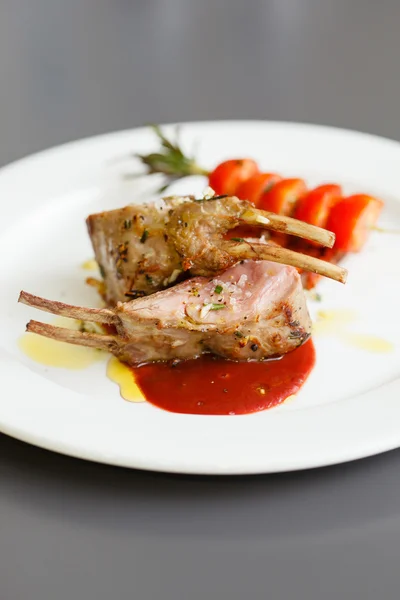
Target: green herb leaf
[[133, 294], [170, 160], [206, 199], [237, 239], [217, 306], [144, 237], [294, 335], [127, 224], [239, 334], [218, 289]]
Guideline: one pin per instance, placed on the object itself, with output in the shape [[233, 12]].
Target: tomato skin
[[253, 188], [310, 280], [283, 196], [228, 175], [314, 207], [351, 220]]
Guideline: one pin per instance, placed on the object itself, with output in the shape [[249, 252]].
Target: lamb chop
[[132, 250], [141, 249], [253, 311]]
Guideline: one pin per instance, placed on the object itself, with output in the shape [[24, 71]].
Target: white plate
[[350, 406]]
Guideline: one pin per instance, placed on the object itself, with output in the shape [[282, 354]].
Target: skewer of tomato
[[351, 218]]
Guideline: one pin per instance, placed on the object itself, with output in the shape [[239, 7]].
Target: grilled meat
[[142, 249], [132, 249], [254, 310]]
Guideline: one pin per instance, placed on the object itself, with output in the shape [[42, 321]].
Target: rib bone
[[110, 343], [246, 250], [269, 220], [97, 315]]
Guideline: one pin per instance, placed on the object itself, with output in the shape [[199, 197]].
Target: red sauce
[[213, 386]]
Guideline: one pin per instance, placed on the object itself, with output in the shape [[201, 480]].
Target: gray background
[[74, 530]]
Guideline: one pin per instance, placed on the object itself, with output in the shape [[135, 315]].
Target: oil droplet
[[370, 343], [314, 296], [90, 265], [122, 375], [386, 230], [331, 321], [335, 322], [59, 354]]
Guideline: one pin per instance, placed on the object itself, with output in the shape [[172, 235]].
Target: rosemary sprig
[[144, 237], [170, 160], [216, 306]]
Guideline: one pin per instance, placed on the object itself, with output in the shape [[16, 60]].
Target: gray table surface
[[75, 530]]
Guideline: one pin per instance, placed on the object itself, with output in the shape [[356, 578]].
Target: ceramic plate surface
[[349, 407]]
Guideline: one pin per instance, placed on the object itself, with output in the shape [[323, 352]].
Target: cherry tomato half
[[352, 219], [315, 206], [283, 196], [228, 175], [253, 188]]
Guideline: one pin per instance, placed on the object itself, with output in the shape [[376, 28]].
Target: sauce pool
[[213, 386]]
